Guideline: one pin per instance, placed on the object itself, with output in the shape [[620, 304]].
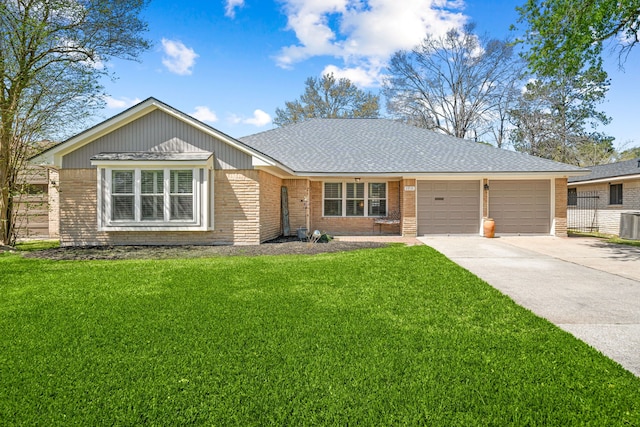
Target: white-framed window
[[354, 199], [171, 198]]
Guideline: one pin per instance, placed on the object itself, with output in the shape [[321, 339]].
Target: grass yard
[[610, 238], [393, 336]]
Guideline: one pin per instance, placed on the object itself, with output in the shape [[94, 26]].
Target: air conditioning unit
[[630, 226]]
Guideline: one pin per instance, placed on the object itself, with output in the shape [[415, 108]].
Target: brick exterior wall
[[237, 208], [299, 193], [78, 217], [560, 215], [409, 221], [607, 217], [270, 206], [236, 213], [357, 226]]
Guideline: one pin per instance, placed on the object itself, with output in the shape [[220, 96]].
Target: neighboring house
[[613, 189], [154, 175]]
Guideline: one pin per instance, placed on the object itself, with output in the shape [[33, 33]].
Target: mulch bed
[[281, 246]]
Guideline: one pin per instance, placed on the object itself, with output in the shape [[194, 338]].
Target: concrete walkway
[[583, 285]]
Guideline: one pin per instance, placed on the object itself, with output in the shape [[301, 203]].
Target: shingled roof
[[372, 146], [611, 170]]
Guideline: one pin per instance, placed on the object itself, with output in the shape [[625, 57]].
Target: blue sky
[[231, 63]]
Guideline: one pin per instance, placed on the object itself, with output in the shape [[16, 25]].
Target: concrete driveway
[[583, 285]]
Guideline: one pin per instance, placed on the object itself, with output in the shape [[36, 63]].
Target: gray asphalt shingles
[[624, 168], [386, 146]]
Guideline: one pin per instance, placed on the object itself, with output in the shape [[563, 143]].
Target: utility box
[[630, 225]]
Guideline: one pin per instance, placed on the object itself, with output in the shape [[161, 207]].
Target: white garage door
[[448, 207], [520, 206]]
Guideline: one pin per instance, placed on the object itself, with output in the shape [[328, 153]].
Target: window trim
[[367, 199], [619, 199], [202, 181]]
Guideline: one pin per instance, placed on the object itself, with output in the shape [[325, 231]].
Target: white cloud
[[234, 119], [259, 119], [364, 33], [204, 114], [179, 58], [231, 6], [123, 102], [362, 76]]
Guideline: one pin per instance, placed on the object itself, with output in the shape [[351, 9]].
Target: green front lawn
[[394, 336]]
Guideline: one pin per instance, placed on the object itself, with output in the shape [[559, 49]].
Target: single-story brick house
[[613, 189], [154, 175]]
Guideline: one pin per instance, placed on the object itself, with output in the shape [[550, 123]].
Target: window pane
[[182, 181], [182, 207], [355, 190], [152, 208], [122, 182], [377, 190], [355, 207], [572, 199], [615, 194], [333, 190], [333, 207], [377, 207], [122, 208], [152, 182]]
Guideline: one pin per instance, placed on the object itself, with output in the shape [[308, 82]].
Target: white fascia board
[[55, 154], [260, 161], [492, 175], [442, 175]]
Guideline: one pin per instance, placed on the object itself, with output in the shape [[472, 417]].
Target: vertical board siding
[[152, 130]]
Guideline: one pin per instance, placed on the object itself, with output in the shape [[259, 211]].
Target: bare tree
[[328, 97], [52, 55], [459, 84]]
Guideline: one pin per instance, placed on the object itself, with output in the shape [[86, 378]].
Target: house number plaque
[[409, 188]]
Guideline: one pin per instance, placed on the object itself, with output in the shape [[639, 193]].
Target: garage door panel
[[521, 206], [448, 207]]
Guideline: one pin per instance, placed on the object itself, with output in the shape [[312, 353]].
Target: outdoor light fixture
[[486, 187], [357, 179]]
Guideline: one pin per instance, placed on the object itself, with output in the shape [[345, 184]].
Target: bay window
[[141, 196], [171, 198], [355, 199]]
